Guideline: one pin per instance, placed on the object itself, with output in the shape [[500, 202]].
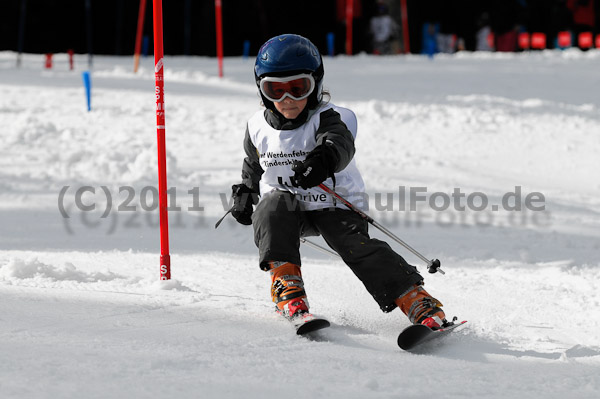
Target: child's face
[[290, 108]]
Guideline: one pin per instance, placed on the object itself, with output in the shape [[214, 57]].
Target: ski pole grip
[[435, 266]]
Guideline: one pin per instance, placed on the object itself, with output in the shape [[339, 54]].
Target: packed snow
[[500, 152]]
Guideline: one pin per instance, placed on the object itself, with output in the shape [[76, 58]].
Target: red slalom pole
[[71, 53], [165, 259], [404, 11], [219, 24], [138, 35], [349, 18]]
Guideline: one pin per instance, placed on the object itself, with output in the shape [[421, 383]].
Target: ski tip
[[312, 325], [412, 336]]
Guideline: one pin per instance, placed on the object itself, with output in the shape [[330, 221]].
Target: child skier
[[297, 143]]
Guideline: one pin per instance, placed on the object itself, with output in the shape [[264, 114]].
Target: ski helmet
[[287, 55]]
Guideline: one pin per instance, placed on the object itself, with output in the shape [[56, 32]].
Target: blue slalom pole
[[246, 52], [331, 44], [87, 83], [145, 45]]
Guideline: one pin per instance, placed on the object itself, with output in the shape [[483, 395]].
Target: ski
[[413, 336], [306, 323]]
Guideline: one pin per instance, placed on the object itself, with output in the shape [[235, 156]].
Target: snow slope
[[84, 315]]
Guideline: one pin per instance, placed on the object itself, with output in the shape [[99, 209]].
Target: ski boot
[[287, 290], [422, 308]]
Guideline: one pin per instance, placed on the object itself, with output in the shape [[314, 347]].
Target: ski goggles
[[296, 87]]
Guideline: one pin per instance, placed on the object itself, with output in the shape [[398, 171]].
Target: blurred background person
[[504, 16], [447, 17], [467, 15], [384, 30], [484, 30], [584, 16]]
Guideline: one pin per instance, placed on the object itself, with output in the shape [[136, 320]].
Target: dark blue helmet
[[286, 55]]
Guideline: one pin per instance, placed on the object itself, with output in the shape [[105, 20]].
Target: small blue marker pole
[[331, 44], [87, 83], [246, 52], [430, 47], [145, 46]]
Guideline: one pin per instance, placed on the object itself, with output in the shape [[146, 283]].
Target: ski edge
[[426, 337], [312, 325], [308, 322]]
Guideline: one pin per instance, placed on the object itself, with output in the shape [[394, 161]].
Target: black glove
[[317, 167], [242, 203]]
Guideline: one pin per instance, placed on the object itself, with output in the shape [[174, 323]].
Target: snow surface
[[84, 315]]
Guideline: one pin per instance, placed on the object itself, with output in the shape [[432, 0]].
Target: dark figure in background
[[504, 18], [538, 18], [561, 18], [468, 12], [483, 32], [584, 16], [447, 17], [384, 30]]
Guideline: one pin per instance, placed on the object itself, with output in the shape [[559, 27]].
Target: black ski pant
[[279, 222]]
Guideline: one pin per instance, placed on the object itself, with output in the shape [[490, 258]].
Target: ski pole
[[318, 247], [303, 240], [224, 216], [433, 265]]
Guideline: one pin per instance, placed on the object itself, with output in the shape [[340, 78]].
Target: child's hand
[[242, 204], [315, 168]]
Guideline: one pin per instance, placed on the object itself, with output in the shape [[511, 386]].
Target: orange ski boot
[[287, 289], [422, 308]]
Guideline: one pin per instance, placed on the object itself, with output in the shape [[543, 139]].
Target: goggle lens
[[296, 87]]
